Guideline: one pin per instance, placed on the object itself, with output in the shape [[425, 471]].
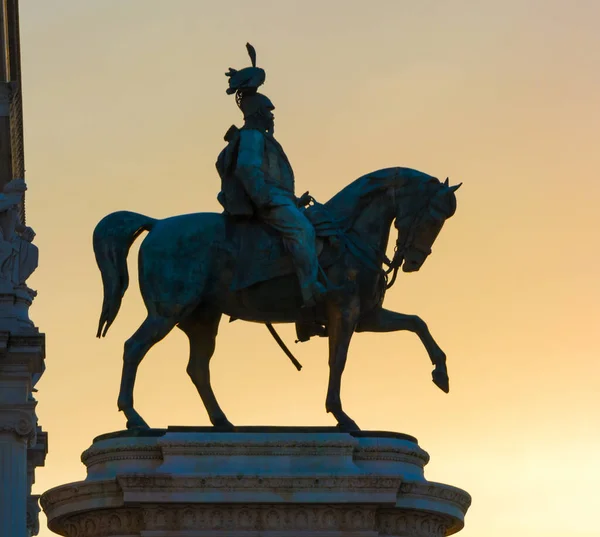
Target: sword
[[283, 346]]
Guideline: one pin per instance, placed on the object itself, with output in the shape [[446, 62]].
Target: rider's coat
[[257, 179]]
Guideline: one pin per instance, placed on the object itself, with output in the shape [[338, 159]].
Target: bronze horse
[[187, 265]]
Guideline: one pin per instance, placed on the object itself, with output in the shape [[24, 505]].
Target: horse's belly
[[274, 301]]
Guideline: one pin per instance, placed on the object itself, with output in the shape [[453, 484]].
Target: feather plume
[[251, 53]]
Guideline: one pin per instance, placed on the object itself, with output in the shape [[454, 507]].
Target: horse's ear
[[446, 182], [454, 188]]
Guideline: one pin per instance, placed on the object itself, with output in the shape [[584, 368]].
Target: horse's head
[[419, 221]]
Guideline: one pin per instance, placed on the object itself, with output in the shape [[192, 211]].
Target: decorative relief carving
[[104, 523], [226, 518], [397, 522], [18, 254], [273, 518], [18, 260]]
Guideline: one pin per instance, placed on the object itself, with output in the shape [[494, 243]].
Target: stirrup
[[306, 330]]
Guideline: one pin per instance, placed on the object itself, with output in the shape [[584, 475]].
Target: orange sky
[[125, 108]]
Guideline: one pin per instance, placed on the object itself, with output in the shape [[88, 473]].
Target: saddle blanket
[[261, 254]]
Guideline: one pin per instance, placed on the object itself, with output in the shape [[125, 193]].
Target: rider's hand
[[304, 200], [28, 234]]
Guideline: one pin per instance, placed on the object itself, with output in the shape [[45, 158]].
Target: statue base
[[275, 481]]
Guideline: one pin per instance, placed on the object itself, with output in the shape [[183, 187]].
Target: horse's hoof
[[348, 426], [440, 379], [134, 420], [137, 424], [223, 424]]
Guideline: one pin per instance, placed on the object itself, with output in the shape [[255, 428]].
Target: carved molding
[[112, 491], [438, 491], [396, 454], [236, 483], [22, 349], [254, 447], [29, 342], [65, 494], [338, 448], [257, 451], [92, 455], [253, 442]]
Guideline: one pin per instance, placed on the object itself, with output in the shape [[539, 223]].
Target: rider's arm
[[8, 201], [249, 166]]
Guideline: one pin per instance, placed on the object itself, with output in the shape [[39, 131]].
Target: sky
[[125, 108]]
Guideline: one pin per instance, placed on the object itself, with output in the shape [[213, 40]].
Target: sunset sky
[[125, 108]]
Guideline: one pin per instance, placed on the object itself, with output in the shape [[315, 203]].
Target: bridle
[[402, 245]]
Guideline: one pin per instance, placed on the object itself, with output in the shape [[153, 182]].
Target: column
[[21, 359], [17, 433]]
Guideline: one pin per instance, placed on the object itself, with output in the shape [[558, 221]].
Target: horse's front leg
[[341, 325], [382, 320]]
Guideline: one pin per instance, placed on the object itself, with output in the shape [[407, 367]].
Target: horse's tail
[[113, 237]]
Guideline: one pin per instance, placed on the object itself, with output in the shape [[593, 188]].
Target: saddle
[[261, 255]]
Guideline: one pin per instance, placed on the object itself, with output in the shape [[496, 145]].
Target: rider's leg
[[299, 238]]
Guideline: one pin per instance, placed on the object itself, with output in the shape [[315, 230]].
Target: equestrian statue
[[271, 257]]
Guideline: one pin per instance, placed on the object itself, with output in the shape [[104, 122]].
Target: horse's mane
[[344, 206]]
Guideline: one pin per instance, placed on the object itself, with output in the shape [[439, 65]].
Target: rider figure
[[257, 178]]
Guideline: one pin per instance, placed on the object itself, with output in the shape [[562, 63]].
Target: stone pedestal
[[279, 482]]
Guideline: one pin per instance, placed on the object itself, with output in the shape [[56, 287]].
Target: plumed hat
[[245, 81]]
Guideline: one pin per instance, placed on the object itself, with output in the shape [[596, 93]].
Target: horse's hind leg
[[202, 333], [152, 330]]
